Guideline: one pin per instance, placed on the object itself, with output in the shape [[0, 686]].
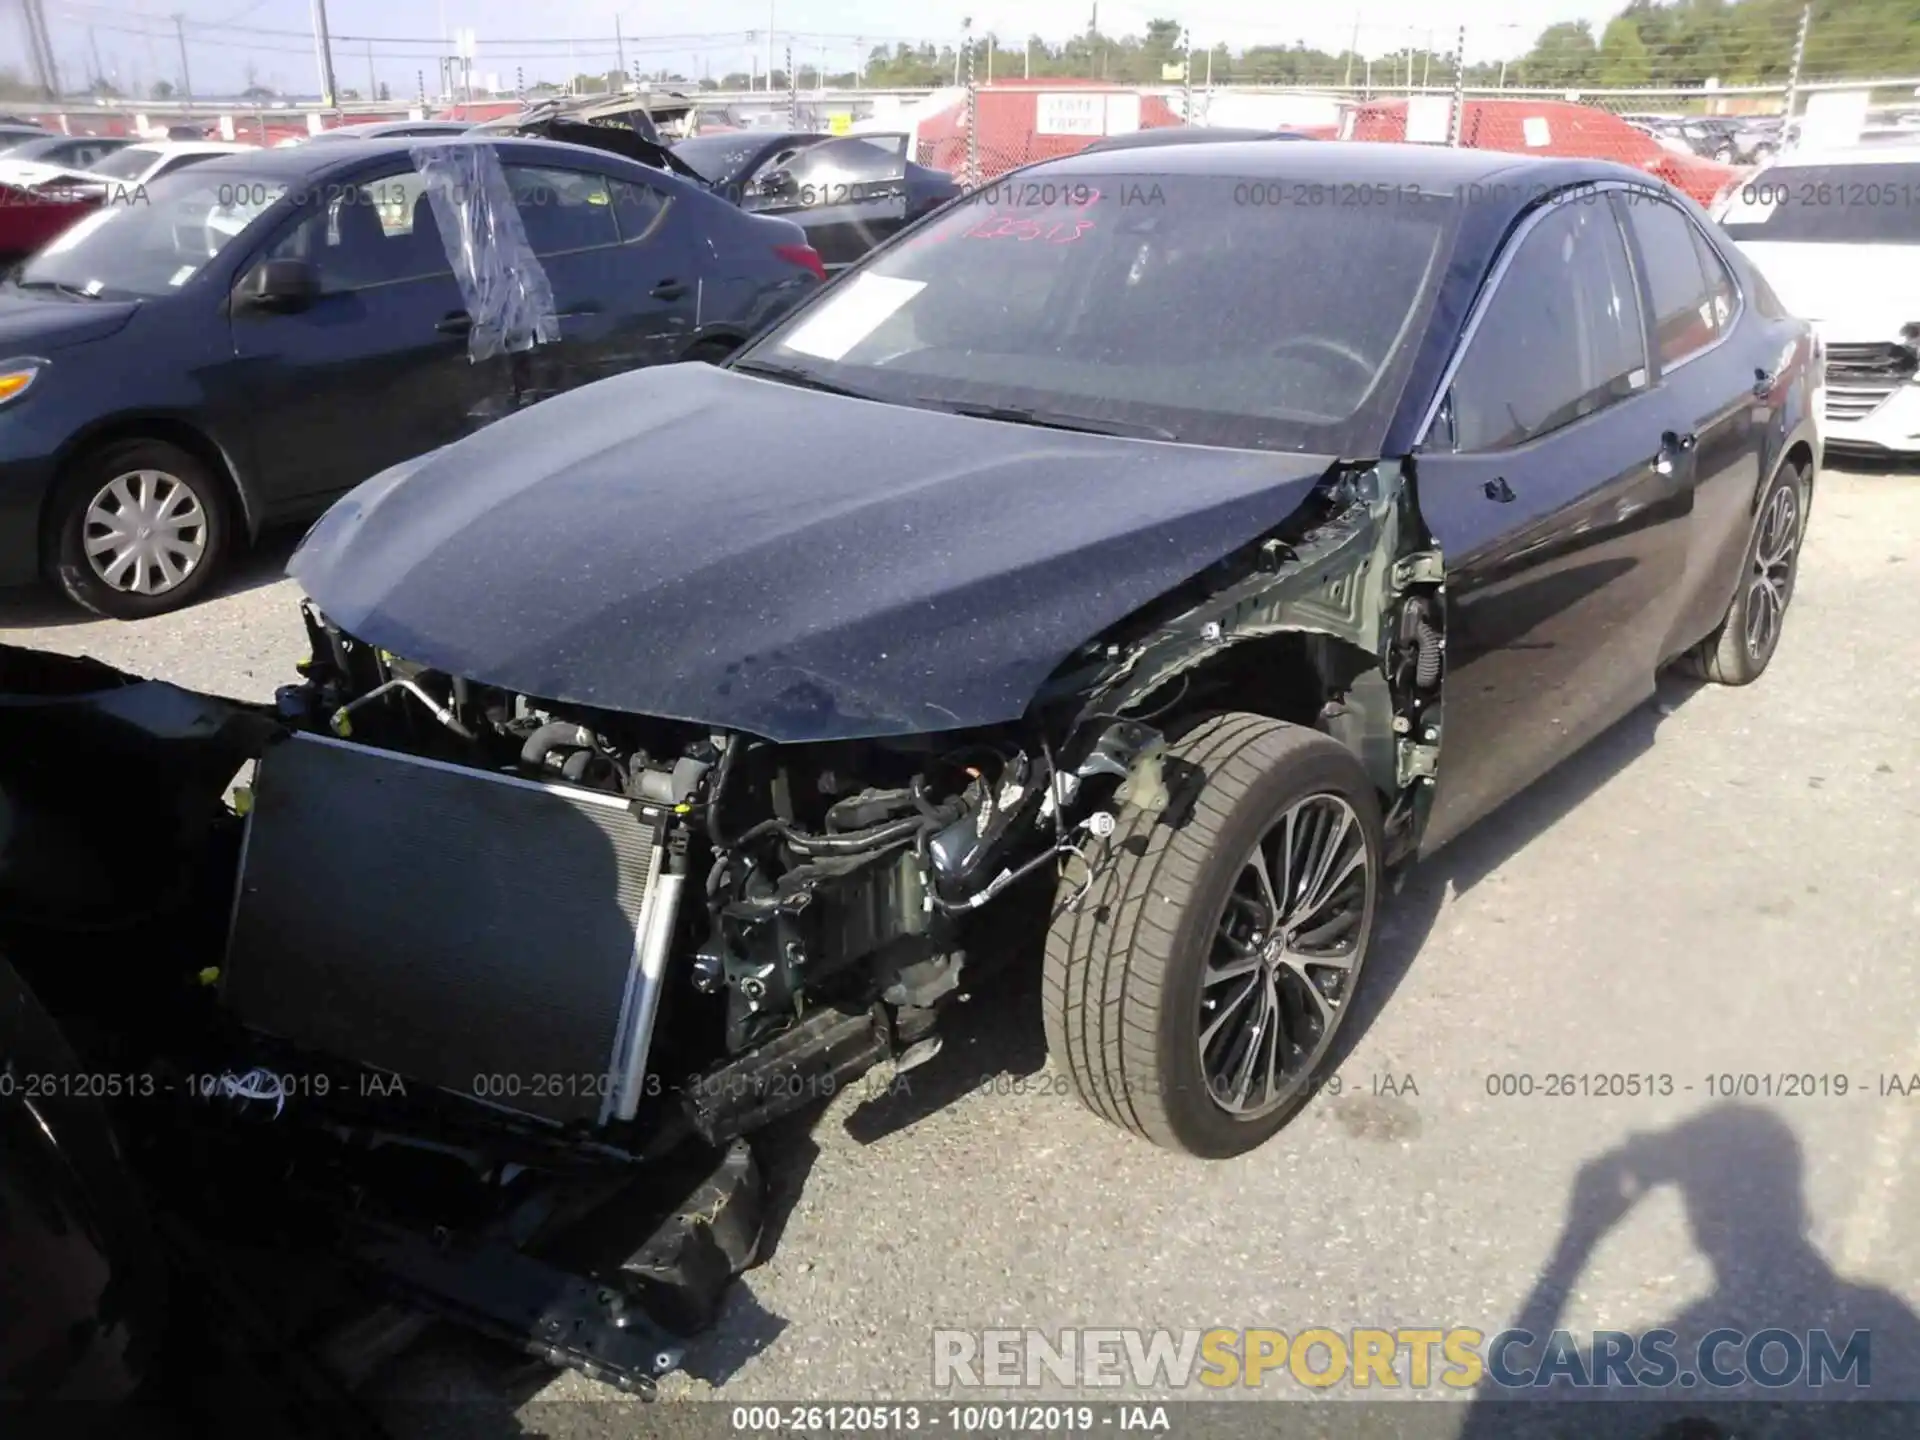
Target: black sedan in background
[[850, 193], [271, 328]]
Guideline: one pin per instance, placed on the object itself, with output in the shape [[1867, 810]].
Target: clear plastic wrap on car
[[503, 283]]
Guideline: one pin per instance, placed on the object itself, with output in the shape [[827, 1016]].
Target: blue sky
[[135, 43]]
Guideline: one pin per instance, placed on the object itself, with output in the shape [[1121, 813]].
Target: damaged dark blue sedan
[[1178, 543]]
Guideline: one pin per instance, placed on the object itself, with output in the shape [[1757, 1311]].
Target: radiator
[[494, 937]]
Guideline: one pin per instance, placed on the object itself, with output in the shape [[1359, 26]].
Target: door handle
[[458, 323], [1763, 383], [1498, 489], [1672, 446], [669, 290]]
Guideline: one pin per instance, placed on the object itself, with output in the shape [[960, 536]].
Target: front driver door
[[375, 371], [1559, 510]]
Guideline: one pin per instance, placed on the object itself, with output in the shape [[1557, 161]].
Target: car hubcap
[[1284, 955], [1771, 584], [145, 532]]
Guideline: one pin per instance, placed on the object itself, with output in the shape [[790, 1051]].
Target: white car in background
[[142, 164], [1837, 235]]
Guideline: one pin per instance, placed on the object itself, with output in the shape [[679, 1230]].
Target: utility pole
[[1026, 56], [39, 40], [973, 108], [373, 80], [1793, 75], [619, 49], [1457, 121], [186, 75], [1353, 48], [99, 71], [1426, 63], [992, 45], [769, 47], [1186, 76], [324, 45]]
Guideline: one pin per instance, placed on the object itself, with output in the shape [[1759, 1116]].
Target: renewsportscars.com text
[[1405, 1358]]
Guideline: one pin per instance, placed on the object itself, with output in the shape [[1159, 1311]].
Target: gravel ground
[[1725, 883]]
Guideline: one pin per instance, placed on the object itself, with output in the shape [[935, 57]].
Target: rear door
[[1720, 394], [625, 266], [375, 371], [1557, 505]]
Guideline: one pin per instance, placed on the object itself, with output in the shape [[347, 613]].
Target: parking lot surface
[[1723, 890]]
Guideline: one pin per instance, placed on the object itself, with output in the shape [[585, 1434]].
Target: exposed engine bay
[[463, 966]]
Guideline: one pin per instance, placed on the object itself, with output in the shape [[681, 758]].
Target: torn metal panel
[[506, 289], [1340, 579]]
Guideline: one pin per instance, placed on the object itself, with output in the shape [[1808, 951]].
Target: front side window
[[1210, 309], [1560, 337], [375, 233], [1691, 290], [152, 248]]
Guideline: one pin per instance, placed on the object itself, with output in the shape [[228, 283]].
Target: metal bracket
[[563, 1319], [1417, 762], [1422, 568]]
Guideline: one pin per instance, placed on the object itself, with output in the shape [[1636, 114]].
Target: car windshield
[[128, 164], [1207, 309], [1831, 204], [152, 243]]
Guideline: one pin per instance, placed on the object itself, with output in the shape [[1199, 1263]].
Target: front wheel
[[136, 528], [1739, 649], [1194, 994]]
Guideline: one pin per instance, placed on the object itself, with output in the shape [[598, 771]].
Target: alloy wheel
[[1770, 586], [1284, 956], [145, 532]]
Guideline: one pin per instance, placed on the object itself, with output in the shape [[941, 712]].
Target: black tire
[[1123, 975], [87, 479], [1730, 656]]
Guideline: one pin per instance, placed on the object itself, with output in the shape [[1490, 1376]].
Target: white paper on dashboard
[[860, 308]]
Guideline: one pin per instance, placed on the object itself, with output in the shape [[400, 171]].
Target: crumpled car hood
[[709, 546]]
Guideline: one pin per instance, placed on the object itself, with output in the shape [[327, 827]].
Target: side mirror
[[281, 286]]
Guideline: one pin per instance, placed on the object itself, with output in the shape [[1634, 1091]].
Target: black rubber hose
[[576, 767], [717, 789], [550, 737], [1426, 671]]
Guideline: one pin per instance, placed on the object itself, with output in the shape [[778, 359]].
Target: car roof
[[1191, 135], [297, 160], [194, 147], [379, 129], [1359, 162], [1902, 153]]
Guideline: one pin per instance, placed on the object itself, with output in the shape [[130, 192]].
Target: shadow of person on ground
[[1740, 1174]]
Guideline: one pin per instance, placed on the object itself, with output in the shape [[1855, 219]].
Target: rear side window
[[1561, 335], [636, 209], [1692, 293]]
